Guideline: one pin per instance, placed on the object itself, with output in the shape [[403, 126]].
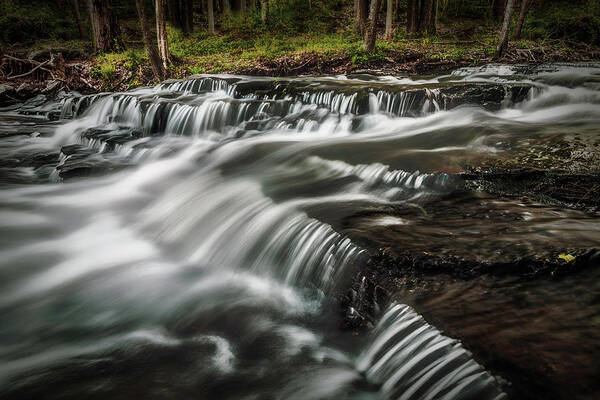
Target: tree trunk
[[356, 15], [263, 10], [499, 8], [161, 34], [388, 20], [363, 11], [522, 14], [187, 16], [433, 18], [425, 16], [90, 8], [174, 13], [157, 68], [371, 31], [412, 20], [78, 18], [106, 27], [226, 7], [503, 42], [211, 16]]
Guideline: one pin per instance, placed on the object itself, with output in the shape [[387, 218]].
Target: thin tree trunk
[[371, 31], [106, 27], [174, 13], [356, 15], [157, 68], [78, 18], [425, 16], [90, 8], [522, 15], [412, 20], [503, 42], [263, 10], [211, 16], [388, 20], [500, 8], [226, 7], [161, 33], [363, 11], [433, 18], [187, 16]]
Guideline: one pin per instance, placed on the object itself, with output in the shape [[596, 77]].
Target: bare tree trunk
[[412, 20], [78, 18], [356, 15], [503, 42], [90, 8], [106, 27], [187, 16], [433, 18], [157, 68], [363, 11], [499, 8], [161, 33], [174, 13], [425, 17], [388, 20], [522, 15], [211, 16], [371, 31], [226, 7], [263, 10]]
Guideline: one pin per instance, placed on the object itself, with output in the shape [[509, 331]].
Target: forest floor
[[311, 54]]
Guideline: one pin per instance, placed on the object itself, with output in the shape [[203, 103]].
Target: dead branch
[[30, 72]]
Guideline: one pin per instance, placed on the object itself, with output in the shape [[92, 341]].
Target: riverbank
[[53, 66]]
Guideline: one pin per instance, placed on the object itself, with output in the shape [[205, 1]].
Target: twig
[[30, 72], [22, 60]]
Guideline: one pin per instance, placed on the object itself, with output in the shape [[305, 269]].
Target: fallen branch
[[32, 71]]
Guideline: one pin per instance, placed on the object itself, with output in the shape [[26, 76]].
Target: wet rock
[[555, 187], [25, 90], [51, 86], [7, 95]]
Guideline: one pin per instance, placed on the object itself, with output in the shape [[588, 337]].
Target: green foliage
[[578, 21], [28, 21], [196, 69], [361, 57], [107, 64], [104, 71]]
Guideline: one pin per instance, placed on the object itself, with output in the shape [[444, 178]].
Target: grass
[[202, 52], [293, 34]]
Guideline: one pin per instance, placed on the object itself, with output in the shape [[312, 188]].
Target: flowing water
[[186, 240]]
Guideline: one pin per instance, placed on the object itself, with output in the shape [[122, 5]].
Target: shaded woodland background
[[156, 39]]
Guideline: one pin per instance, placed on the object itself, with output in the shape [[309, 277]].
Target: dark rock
[[51, 86], [7, 95]]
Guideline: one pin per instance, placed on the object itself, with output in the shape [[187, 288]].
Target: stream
[[189, 240]]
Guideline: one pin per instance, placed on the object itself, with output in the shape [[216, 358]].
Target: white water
[[204, 250]]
